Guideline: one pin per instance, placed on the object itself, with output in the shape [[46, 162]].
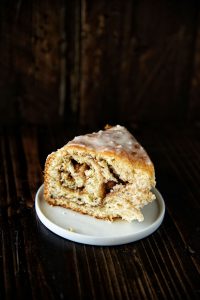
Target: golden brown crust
[[107, 126], [46, 175]]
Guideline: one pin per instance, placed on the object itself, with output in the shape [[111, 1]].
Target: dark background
[[89, 63], [68, 67]]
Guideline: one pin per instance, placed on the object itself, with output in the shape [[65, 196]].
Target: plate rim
[[100, 240]]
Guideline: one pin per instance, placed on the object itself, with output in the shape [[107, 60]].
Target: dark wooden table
[[37, 264]]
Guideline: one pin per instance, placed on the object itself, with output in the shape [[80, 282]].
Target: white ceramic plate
[[88, 230]]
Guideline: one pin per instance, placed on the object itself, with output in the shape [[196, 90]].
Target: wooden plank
[[99, 62], [37, 73], [194, 92], [136, 60], [182, 194], [100, 24]]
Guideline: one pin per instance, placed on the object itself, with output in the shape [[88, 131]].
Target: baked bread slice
[[106, 175]]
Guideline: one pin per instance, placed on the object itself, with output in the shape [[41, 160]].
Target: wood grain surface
[[37, 264], [93, 63]]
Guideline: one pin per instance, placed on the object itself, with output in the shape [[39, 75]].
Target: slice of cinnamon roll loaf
[[106, 174]]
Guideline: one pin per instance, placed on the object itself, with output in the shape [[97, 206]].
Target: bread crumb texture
[[106, 175]]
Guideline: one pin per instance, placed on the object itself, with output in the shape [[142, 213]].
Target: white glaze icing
[[117, 138]]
